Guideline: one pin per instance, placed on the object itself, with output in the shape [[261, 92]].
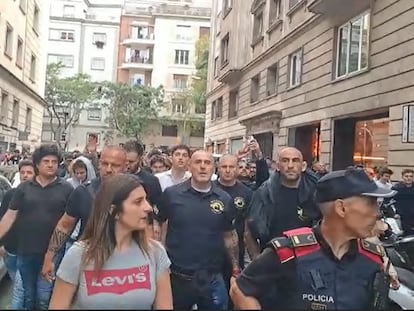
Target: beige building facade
[[22, 73], [333, 78]]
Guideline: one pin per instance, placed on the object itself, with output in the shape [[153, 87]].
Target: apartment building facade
[[332, 78], [22, 78], [83, 36], [157, 47]]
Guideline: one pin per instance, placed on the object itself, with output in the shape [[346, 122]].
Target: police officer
[[200, 224], [330, 266]]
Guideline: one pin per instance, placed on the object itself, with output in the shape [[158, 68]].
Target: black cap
[[348, 183]]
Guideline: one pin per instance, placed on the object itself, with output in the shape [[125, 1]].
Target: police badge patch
[[217, 207], [239, 202]]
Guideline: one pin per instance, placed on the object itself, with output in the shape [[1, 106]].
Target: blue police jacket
[[320, 281]]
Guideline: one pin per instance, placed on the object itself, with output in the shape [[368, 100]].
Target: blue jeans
[[37, 291], [17, 301], [208, 294]]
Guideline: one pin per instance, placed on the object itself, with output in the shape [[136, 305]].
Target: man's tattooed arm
[[61, 233], [231, 242], [253, 248]]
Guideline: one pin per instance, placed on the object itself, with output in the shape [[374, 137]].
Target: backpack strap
[[295, 243], [373, 251]]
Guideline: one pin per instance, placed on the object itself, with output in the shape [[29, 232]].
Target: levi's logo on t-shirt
[[118, 281]]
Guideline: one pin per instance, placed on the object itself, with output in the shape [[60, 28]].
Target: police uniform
[[300, 271], [195, 241]]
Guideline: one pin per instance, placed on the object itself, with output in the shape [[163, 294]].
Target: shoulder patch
[[280, 242], [372, 248], [283, 248]]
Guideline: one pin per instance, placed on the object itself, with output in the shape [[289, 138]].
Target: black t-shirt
[[285, 216], [80, 202], [39, 210], [151, 185], [241, 195], [196, 223], [9, 241]]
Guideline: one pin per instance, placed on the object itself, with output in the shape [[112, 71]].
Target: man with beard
[[112, 161]]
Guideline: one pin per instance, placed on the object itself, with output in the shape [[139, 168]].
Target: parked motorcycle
[[400, 251]]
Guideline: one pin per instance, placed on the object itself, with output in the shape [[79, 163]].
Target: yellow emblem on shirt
[[239, 202], [217, 207]]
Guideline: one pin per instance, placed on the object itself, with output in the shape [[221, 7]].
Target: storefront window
[[371, 142]]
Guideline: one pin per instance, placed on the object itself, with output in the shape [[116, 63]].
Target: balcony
[[142, 63], [338, 7], [140, 37]]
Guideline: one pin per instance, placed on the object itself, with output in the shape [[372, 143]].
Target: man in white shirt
[[384, 178]]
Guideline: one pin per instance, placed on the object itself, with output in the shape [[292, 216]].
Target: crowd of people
[[125, 229]]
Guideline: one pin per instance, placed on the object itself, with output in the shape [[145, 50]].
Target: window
[[36, 14], [258, 26], [295, 68], [99, 39], [200, 108], [224, 52], [94, 114], [204, 31], [169, 130], [292, 3], [271, 80], [97, 63], [182, 57], [68, 11], [19, 53], [352, 49], [216, 66], [15, 114], [178, 105], [275, 11], [183, 33], [180, 81], [197, 131], [66, 60], [33, 68], [28, 120], [233, 103], [8, 44], [61, 35], [4, 105], [227, 4], [254, 88], [219, 108], [213, 110], [23, 5]]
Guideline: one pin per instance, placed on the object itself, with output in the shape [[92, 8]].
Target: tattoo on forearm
[[56, 241], [231, 242], [253, 248]]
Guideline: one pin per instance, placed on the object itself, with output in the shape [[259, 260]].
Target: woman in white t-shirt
[[115, 265]]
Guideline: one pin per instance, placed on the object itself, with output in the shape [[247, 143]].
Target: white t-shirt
[[127, 280]]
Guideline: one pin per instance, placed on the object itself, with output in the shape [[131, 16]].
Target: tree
[[65, 99], [131, 108]]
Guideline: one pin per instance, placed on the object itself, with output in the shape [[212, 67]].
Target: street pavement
[[5, 293]]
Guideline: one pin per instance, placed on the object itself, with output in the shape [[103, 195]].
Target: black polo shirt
[[80, 202], [196, 223], [39, 210]]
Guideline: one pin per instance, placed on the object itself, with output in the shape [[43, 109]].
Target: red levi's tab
[[118, 281]]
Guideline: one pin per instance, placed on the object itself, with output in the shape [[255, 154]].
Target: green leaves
[[131, 108]]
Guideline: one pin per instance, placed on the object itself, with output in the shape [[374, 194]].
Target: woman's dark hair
[[44, 151], [78, 164], [99, 234]]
